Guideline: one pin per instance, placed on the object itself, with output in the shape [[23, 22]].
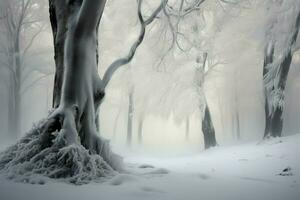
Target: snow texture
[[266, 170], [31, 160]]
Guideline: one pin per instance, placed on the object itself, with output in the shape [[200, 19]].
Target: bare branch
[[125, 60]]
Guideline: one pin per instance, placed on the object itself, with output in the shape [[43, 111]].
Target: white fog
[[193, 100]]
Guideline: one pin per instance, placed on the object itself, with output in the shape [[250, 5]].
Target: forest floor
[[268, 170]]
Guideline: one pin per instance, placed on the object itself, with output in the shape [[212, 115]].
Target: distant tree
[[130, 117], [19, 21]]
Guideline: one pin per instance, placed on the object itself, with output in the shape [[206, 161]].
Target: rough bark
[[59, 15]]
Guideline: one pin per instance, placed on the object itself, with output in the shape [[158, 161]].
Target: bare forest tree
[[18, 19], [208, 129]]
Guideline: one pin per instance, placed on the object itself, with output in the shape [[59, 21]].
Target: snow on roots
[[30, 160]]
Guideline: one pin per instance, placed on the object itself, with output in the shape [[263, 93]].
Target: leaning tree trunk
[[208, 130]]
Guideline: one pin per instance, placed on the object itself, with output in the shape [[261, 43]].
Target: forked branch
[[125, 60]]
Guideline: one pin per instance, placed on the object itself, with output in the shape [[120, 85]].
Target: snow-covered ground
[[241, 172]]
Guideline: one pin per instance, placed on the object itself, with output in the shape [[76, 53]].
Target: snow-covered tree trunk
[[207, 124], [269, 57], [77, 90], [275, 77]]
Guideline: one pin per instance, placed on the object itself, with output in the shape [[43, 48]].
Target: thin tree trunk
[[236, 107], [140, 130], [130, 119], [237, 119], [17, 87], [11, 109], [187, 128]]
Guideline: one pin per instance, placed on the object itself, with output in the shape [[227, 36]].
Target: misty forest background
[[154, 100]]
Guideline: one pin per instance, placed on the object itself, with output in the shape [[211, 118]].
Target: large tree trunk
[[77, 89], [59, 15], [130, 119], [274, 107], [269, 57], [208, 130]]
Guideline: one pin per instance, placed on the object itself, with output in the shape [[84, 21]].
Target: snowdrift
[[41, 155]]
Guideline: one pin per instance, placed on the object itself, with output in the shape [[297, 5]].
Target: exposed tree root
[[46, 151]]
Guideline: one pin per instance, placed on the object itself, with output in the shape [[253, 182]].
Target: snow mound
[[32, 157], [122, 178]]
